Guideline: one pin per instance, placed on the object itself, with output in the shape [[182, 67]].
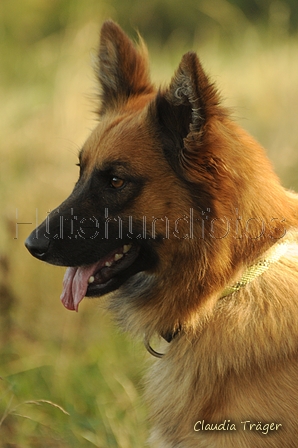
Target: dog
[[179, 221]]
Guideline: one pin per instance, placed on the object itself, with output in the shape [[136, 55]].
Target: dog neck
[[251, 273]]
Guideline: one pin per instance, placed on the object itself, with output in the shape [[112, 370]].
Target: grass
[[67, 379]]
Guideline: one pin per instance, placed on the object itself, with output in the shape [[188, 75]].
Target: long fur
[[237, 357]]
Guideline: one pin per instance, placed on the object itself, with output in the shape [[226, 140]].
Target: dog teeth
[[117, 257], [91, 279], [126, 248]]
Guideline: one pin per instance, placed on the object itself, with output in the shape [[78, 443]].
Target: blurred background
[[72, 379]]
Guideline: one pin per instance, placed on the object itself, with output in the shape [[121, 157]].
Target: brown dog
[[178, 217]]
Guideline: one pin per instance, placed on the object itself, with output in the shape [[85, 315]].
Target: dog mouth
[[99, 278]]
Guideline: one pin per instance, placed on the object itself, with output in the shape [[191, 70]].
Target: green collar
[[257, 269]]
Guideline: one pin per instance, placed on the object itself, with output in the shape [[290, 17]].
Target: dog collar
[[257, 269], [251, 273], [169, 336]]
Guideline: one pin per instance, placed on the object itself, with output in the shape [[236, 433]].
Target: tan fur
[[241, 365]]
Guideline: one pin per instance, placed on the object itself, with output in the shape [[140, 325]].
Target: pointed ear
[[123, 69], [184, 108]]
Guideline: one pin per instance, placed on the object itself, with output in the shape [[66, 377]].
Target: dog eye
[[117, 183]]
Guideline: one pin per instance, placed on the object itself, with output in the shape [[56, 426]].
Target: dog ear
[[123, 69], [183, 109]]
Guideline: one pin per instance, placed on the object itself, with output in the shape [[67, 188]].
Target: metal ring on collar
[[150, 349]]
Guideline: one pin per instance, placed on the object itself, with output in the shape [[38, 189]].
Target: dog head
[[160, 179]]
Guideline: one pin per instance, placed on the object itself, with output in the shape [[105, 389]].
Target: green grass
[[71, 379]]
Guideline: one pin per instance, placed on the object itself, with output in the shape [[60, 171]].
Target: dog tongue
[[75, 285]]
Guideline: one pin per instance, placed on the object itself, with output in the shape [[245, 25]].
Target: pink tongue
[[75, 285]]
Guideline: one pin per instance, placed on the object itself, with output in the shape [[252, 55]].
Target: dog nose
[[37, 245]]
